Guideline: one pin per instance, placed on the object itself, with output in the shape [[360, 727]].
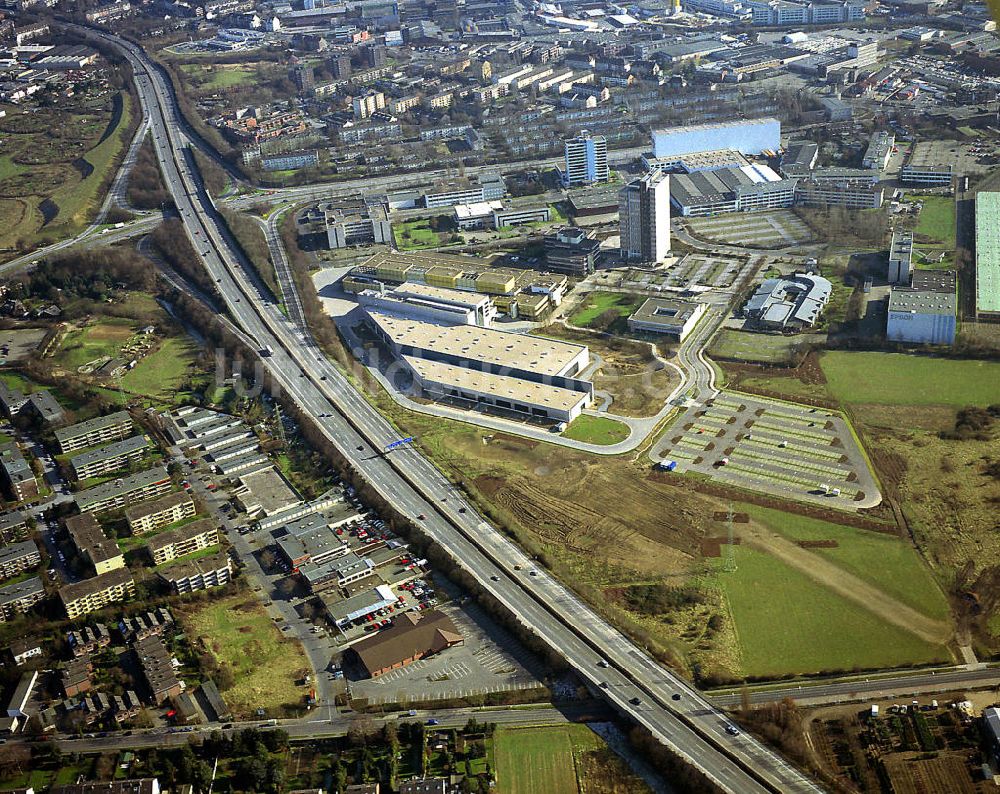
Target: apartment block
[[18, 478], [18, 557], [20, 597], [183, 540], [166, 510], [125, 491], [93, 545], [154, 659], [187, 576], [89, 595], [99, 430], [108, 458]]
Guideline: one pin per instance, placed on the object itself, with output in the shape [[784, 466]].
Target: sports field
[[238, 632], [786, 623], [596, 430], [899, 379]]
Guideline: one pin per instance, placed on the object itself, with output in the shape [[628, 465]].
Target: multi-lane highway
[[629, 678]]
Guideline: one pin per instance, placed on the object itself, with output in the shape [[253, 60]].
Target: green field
[[535, 760], [596, 430], [416, 234], [237, 630], [161, 372], [786, 624], [762, 348], [597, 303], [218, 77], [886, 561], [100, 339], [899, 379], [937, 219]]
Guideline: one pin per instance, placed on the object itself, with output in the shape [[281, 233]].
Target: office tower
[[644, 218], [586, 160]]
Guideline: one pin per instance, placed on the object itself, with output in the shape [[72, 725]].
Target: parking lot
[[967, 157], [489, 661], [691, 271], [776, 229], [772, 446]]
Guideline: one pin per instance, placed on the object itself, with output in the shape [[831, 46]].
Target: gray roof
[[90, 425], [15, 592], [800, 297], [916, 301], [134, 482], [124, 447], [16, 551]]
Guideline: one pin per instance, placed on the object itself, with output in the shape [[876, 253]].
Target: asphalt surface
[[610, 663]]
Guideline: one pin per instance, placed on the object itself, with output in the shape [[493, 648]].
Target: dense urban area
[[440, 396]]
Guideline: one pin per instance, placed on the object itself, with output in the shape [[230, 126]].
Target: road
[[676, 713]]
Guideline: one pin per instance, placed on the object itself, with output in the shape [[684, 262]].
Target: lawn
[[219, 77], [536, 759], [161, 372], [597, 303], [900, 379], [937, 219], [266, 665], [101, 339], [893, 565], [788, 624], [596, 430], [758, 348], [416, 234]]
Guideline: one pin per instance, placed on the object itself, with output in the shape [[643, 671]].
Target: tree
[[224, 677]]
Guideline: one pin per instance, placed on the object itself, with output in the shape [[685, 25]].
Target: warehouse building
[[789, 302], [666, 316], [108, 458], [18, 557], [18, 477], [413, 636], [92, 544], [99, 430], [342, 611], [753, 136], [988, 256], [900, 257], [431, 304], [336, 572], [185, 539], [19, 597], [186, 576], [924, 311], [125, 491], [90, 595], [159, 513], [749, 188]]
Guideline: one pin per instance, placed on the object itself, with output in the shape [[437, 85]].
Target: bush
[[655, 599]]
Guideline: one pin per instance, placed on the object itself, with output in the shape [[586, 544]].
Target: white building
[[667, 316], [752, 136], [586, 160], [924, 311], [900, 257], [364, 106], [432, 304], [644, 218]]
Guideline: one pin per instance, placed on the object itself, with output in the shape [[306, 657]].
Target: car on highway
[[433, 722], [732, 730]]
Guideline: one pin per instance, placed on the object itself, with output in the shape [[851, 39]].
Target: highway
[[676, 713]]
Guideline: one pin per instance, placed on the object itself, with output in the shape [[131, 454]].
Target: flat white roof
[[502, 386], [496, 348], [469, 300]]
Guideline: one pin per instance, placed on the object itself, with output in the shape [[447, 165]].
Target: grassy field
[[99, 339], [858, 377], [937, 219], [266, 665], [788, 624], [757, 348], [218, 77], [161, 372], [596, 430], [597, 303], [884, 560], [416, 234]]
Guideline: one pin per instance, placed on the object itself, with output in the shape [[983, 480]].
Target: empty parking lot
[[777, 229]]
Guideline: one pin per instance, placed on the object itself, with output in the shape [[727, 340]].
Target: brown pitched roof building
[[413, 636]]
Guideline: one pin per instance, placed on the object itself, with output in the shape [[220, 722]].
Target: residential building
[[753, 136], [20, 597], [76, 676], [17, 558], [85, 641], [11, 400], [99, 430], [988, 256], [367, 104], [150, 624], [856, 194], [571, 251], [90, 595], [125, 491], [413, 636], [43, 405], [586, 160], [92, 544], [427, 785], [186, 576], [183, 540], [21, 651], [644, 219], [289, 161], [900, 257], [18, 477], [930, 175], [13, 525], [924, 311], [143, 786], [157, 670], [789, 302], [879, 150], [108, 458], [303, 79], [666, 316], [17, 707], [160, 512]]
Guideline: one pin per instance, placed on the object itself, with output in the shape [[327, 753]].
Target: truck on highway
[[267, 350]]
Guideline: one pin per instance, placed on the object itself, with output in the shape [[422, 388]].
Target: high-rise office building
[[644, 218], [586, 160]]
